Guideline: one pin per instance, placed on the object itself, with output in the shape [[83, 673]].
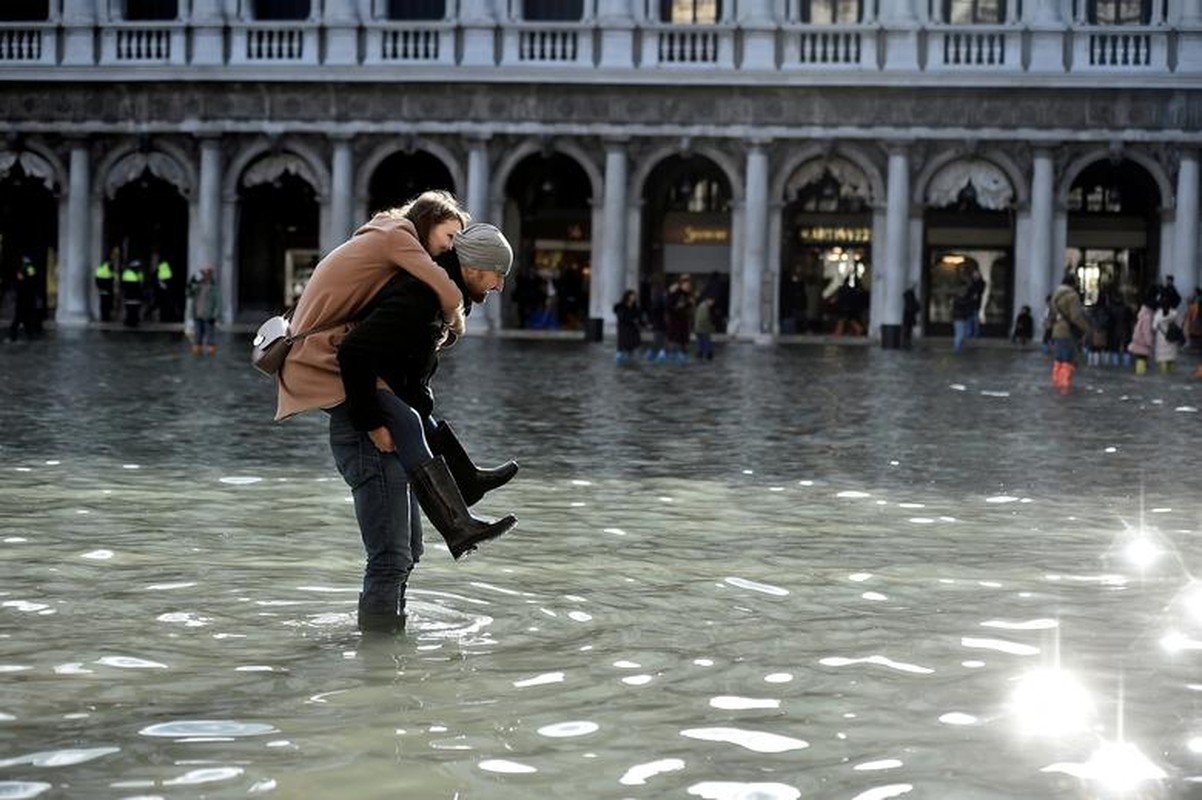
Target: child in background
[[1024, 327]]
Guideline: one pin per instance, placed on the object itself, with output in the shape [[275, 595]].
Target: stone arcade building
[[774, 149]]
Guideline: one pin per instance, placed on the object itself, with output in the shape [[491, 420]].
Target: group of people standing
[[138, 290], [1109, 332], [675, 315]]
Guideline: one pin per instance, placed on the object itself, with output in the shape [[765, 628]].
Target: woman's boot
[[473, 482], [443, 504]]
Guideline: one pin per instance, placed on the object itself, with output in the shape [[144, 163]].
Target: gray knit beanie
[[483, 246]]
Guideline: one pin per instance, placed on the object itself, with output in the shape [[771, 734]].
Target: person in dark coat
[[398, 342], [629, 321]]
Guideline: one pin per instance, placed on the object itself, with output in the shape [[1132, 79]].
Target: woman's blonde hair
[[431, 208]]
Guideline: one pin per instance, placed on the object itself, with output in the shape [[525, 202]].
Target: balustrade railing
[[972, 47], [1120, 48], [411, 43], [582, 46], [688, 46], [279, 42], [24, 44], [560, 44], [140, 43], [829, 46]]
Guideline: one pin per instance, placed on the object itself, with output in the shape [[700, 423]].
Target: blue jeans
[[388, 514], [204, 330], [959, 334]]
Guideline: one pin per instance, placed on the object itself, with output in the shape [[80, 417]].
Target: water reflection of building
[[778, 148]]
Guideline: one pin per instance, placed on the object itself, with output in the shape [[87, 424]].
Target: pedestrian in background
[[1024, 327], [1070, 324], [679, 318], [704, 328], [1143, 340], [205, 298], [1168, 331], [629, 321], [910, 309]]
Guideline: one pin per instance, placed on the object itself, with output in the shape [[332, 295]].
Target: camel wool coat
[[343, 283]]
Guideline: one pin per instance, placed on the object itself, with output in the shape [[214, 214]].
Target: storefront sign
[[829, 234], [697, 229]]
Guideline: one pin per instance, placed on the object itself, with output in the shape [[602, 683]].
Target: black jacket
[[397, 342]]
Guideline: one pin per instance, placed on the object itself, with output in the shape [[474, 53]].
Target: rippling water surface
[[791, 573]]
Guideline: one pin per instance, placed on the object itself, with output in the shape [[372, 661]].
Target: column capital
[[615, 141], [340, 136], [758, 142]]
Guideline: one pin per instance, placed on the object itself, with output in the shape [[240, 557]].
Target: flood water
[[794, 572]]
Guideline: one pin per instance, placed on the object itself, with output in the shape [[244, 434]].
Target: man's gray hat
[[483, 246]]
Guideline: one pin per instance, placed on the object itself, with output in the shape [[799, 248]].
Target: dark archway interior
[[275, 219], [553, 198], [403, 176], [28, 226], [147, 219]]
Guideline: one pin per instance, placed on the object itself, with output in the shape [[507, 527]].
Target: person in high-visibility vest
[[131, 292], [105, 280], [162, 290]]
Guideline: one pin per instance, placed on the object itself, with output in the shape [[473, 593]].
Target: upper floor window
[[416, 9], [553, 10], [1119, 12], [25, 11], [974, 12], [690, 12], [149, 10], [831, 12], [281, 9]]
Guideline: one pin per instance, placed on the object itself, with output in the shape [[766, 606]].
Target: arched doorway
[[1114, 231], [146, 219], [826, 255], [548, 206], [402, 176], [687, 230], [278, 234], [28, 227], [968, 229]]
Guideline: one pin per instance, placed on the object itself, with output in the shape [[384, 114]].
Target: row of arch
[[545, 190]]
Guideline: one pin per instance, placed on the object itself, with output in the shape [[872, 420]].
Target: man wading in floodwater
[[379, 437]]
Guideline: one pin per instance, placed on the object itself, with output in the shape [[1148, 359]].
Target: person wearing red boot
[[1069, 325]]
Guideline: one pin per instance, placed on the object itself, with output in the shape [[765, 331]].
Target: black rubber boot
[[381, 622], [444, 507], [473, 482]]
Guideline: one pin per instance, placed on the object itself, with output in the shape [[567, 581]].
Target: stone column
[[1042, 272], [342, 194], [79, 25], [899, 23], [487, 318], [759, 34], [340, 24], [1048, 33], [1189, 45], [755, 241], [897, 229], [227, 274], [479, 21], [478, 178], [616, 24], [207, 21], [74, 286], [1187, 271], [609, 280], [208, 203]]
